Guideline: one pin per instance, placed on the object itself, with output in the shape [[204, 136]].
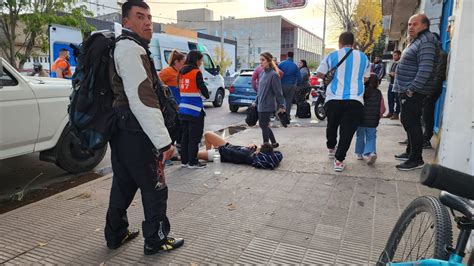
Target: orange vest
[[191, 101], [64, 65]]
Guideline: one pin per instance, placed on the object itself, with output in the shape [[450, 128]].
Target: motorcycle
[[318, 97]]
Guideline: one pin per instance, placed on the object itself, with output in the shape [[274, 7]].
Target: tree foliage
[[363, 18], [25, 23], [368, 21], [221, 60]]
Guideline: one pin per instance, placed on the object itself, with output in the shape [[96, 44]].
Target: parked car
[[313, 80], [241, 92], [35, 119]]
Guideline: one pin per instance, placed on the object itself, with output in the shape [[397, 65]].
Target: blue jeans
[[366, 140], [393, 101]]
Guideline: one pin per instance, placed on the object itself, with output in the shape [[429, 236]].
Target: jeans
[[393, 101], [264, 122], [344, 115], [289, 93], [366, 140], [411, 121]]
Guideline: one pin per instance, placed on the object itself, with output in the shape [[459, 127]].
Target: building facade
[[274, 34]]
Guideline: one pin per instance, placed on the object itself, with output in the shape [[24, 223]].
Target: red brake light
[[314, 94], [231, 89]]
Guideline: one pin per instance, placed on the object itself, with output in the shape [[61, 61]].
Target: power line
[[159, 17]]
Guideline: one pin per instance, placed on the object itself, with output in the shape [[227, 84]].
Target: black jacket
[[236, 154], [371, 116]]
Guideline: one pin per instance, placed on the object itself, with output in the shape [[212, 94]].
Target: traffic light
[[276, 5]]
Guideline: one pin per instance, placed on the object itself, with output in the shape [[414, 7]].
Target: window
[[207, 62], [243, 80], [7, 79]]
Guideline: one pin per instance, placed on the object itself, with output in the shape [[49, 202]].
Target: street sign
[[277, 5]]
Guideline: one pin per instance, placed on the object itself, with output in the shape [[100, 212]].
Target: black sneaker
[[403, 142], [427, 145], [171, 244], [129, 236], [410, 165], [199, 165], [402, 157], [275, 145]]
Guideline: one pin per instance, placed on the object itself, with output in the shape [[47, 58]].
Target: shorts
[[211, 153]]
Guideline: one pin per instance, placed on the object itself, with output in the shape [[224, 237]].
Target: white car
[[34, 118]]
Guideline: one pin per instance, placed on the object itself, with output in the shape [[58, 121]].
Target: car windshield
[[243, 80]]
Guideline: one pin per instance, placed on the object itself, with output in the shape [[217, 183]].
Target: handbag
[[330, 74], [252, 116]]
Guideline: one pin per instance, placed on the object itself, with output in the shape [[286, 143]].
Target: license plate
[[246, 101]]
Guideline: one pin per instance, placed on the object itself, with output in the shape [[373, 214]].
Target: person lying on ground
[[264, 157]]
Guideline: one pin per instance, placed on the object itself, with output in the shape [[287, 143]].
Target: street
[[24, 170]]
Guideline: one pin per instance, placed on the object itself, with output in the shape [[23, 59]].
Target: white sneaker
[[339, 166], [359, 156], [371, 158], [331, 153], [184, 165]]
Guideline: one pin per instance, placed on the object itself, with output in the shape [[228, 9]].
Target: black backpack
[[91, 116], [303, 110]]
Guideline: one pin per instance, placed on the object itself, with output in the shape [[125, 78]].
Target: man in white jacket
[[141, 141]]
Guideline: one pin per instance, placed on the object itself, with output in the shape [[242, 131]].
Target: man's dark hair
[[192, 58], [63, 50], [397, 52], [346, 38], [425, 20], [290, 54], [266, 148], [127, 6]]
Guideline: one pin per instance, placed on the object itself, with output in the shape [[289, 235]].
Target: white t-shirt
[[348, 81]]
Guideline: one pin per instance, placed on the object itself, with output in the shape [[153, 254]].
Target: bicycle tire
[[441, 231]]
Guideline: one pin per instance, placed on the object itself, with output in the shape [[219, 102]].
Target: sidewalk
[[303, 212]]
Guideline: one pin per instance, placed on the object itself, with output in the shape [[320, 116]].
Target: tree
[[343, 10], [363, 18], [24, 23], [221, 59], [368, 24]]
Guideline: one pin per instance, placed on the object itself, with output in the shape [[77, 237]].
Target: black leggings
[[264, 122], [191, 136]]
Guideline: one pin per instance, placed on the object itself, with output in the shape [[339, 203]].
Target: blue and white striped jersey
[[348, 82]]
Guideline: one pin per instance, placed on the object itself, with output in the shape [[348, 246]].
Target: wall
[[456, 149]]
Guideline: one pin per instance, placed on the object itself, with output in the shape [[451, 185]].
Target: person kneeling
[[264, 157]]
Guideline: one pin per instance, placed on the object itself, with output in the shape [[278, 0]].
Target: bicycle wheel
[[422, 231]]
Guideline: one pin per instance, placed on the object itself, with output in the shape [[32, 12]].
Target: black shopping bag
[[252, 116]]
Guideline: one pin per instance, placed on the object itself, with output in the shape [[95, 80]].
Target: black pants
[[264, 123], [134, 167], [393, 101], [428, 116], [289, 94], [191, 137], [411, 121], [344, 115]]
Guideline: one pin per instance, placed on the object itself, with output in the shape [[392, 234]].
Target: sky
[[310, 17]]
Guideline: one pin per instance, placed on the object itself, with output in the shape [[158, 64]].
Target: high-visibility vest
[[191, 101]]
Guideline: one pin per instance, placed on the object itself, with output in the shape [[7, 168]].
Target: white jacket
[[133, 66]]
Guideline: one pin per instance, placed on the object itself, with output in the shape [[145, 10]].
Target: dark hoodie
[[201, 86]]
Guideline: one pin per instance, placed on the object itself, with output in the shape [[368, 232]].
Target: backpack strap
[[340, 62]]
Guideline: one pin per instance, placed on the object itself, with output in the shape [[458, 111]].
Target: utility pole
[[324, 30], [222, 40], [248, 58]]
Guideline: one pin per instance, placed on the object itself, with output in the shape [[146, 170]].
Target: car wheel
[[234, 108], [73, 158], [219, 98]]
